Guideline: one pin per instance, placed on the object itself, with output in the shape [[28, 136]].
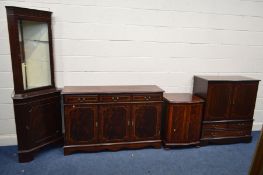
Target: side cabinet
[[112, 118], [183, 119], [229, 109]]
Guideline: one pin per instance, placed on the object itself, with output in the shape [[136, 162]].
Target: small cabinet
[[114, 122], [146, 119], [230, 104], [81, 124], [183, 119]]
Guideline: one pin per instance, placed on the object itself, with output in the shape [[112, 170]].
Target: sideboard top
[[226, 78], [111, 89], [182, 98]]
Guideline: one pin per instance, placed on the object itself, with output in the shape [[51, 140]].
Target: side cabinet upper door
[[81, 124], [44, 120], [244, 99], [218, 101], [146, 120], [114, 121]]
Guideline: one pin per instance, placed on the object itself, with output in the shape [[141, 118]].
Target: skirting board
[[10, 139]]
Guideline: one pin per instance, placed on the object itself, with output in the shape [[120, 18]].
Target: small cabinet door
[[146, 120], [218, 101], [44, 121], [243, 102], [195, 115], [81, 124], [114, 122], [186, 123]]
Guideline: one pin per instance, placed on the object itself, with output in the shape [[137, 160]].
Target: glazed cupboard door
[[243, 102], [219, 101], [81, 124], [114, 122], [146, 119]]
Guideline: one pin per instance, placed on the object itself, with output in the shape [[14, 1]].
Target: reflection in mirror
[[34, 52]]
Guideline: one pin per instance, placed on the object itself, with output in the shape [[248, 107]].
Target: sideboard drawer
[[147, 97], [81, 99], [115, 98]]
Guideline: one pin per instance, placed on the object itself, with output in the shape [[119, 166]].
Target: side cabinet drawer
[[115, 98], [226, 129], [222, 133], [228, 126], [147, 97], [81, 99]]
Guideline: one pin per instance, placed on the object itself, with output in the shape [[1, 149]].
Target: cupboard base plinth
[[111, 146], [226, 140], [174, 145], [28, 155]]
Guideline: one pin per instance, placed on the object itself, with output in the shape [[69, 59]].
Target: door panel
[[81, 123], [180, 125], [194, 131], [219, 101], [114, 120], [244, 99], [146, 121], [44, 120]]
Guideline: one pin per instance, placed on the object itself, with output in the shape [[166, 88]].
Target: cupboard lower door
[[146, 120], [114, 122], [81, 125]]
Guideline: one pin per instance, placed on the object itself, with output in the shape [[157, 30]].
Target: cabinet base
[[28, 155], [226, 140], [69, 149], [174, 145]]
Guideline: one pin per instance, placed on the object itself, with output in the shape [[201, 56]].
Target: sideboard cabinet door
[[219, 100], [244, 99], [81, 124], [146, 120], [114, 122]]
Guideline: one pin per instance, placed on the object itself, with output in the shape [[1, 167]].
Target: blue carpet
[[232, 159]]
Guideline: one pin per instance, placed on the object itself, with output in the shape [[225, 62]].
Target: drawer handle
[[112, 98], [96, 124], [117, 98], [128, 123], [174, 130], [73, 106]]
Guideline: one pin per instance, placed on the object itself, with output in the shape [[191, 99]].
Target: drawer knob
[[174, 130], [117, 98], [112, 98], [73, 106]]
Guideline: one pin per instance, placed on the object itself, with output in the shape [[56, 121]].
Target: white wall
[[162, 42]]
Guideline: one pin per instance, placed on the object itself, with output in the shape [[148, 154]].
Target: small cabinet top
[[226, 78], [182, 98], [112, 89]]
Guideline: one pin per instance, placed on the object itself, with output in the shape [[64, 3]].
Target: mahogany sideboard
[[183, 118], [111, 117], [229, 109]]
